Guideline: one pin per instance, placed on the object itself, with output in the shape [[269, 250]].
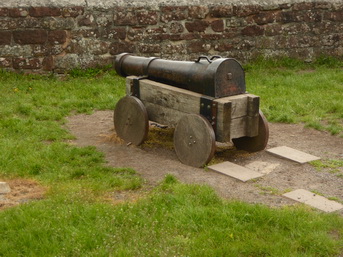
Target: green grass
[[329, 165], [292, 92], [75, 219], [32, 138], [175, 220]]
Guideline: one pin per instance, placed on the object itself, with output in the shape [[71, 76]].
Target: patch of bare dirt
[[153, 163], [22, 191]]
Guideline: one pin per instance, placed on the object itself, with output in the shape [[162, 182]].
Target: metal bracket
[[209, 109], [135, 86]]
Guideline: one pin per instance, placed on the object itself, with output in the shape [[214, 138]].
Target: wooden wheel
[[194, 140], [258, 143], [131, 120]]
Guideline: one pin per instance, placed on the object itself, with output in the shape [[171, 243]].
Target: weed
[[329, 165], [268, 190]]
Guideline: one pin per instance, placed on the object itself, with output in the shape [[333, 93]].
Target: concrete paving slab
[[262, 167], [292, 154], [314, 200], [4, 188], [233, 170]]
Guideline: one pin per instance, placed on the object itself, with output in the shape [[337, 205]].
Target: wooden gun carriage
[[205, 100]]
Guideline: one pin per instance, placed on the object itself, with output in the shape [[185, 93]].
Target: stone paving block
[[262, 167], [4, 188], [292, 154], [233, 170], [314, 200]]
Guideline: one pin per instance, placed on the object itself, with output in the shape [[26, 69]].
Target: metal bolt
[[190, 137], [202, 104], [208, 106], [229, 76], [194, 142]]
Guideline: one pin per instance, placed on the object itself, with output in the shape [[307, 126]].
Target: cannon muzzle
[[216, 76]]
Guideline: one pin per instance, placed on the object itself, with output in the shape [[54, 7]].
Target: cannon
[[204, 100]]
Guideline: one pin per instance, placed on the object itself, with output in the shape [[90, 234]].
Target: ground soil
[[22, 191], [153, 161]]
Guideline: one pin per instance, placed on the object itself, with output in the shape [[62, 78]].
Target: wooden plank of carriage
[[237, 116]]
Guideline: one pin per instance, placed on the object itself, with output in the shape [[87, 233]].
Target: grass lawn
[[174, 219]]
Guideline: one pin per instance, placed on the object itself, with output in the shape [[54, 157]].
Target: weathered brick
[[334, 16], [323, 5], [197, 26], [290, 16], [103, 21], [296, 29], [175, 49], [48, 63], [86, 20], [56, 50], [217, 25], [57, 36], [5, 37], [221, 11], [125, 17], [246, 10], [189, 36], [28, 22], [18, 12], [246, 45], [5, 62], [114, 33], [149, 48], [44, 11], [26, 63], [265, 43], [173, 13], [313, 16], [198, 46], [58, 23], [273, 29], [265, 17], [303, 6], [30, 36], [120, 47], [198, 12], [176, 27], [135, 34], [172, 37], [253, 30], [224, 46], [147, 17], [216, 36], [40, 50], [95, 33], [72, 11], [3, 12]]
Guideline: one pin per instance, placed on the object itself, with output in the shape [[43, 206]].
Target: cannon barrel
[[216, 76]]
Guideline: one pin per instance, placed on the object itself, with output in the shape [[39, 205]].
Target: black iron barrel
[[216, 76]]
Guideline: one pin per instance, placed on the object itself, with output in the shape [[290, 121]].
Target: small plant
[[268, 190], [330, 165], [89, 72]]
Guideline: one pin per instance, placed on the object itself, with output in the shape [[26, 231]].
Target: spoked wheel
[[131, 120], [258, 143], [194, 140]]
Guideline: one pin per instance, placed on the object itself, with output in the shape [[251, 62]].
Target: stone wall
[[55, 36]]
